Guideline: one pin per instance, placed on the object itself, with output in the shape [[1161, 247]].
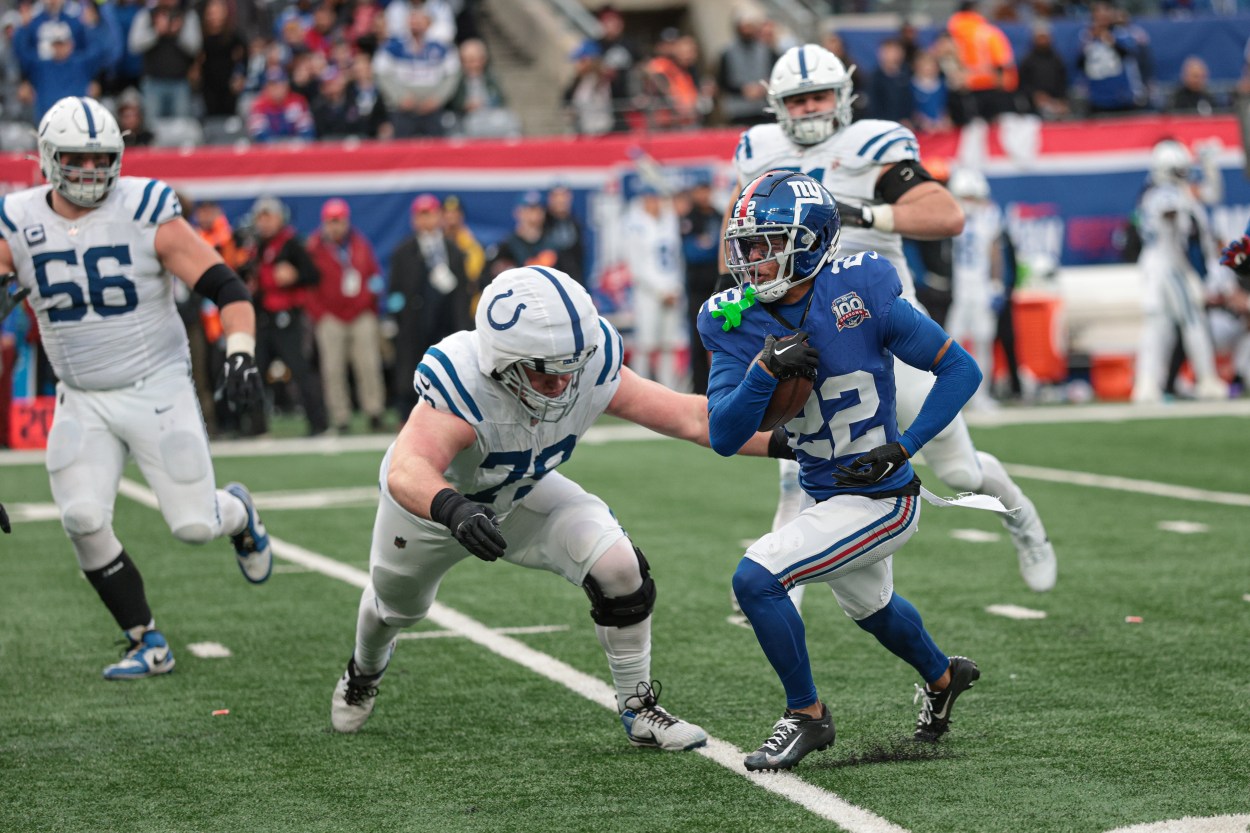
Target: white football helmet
[[805, 69], [1170, 161], [969, 184], [541, 319], [80, 125]]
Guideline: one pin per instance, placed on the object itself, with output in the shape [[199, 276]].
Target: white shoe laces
[[782, 729], [922, 693]]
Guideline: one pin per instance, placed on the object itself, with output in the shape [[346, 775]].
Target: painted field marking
[[1128, 484], [1015, 612], [1183, 527], [975, 536], [509, 631], [209, 650]]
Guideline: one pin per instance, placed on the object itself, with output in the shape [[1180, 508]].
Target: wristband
[[883, 218], [241, 343]]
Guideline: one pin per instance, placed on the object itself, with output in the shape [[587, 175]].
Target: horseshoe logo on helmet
[[516, 314]]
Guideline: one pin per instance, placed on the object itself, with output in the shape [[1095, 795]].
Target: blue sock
[[897, 626], [779, 629]]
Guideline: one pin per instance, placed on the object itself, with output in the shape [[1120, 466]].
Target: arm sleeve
[[735, 403], [917, 340]]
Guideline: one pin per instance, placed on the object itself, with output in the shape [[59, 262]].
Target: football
[[789, 397]]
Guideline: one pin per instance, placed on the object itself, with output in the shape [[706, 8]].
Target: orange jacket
[[984, 51]]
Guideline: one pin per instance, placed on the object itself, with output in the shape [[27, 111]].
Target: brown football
[[789, 397]]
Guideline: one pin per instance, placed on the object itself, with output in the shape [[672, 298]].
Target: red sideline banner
[[30, 420]]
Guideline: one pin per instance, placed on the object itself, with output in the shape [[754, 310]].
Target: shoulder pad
[[612, 354], [882, 142], [148, 201], [449, 379]]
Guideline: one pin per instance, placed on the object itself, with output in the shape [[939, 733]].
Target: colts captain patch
[[849, 311]]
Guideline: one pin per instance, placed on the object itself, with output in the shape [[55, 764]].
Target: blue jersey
[[857, 322]]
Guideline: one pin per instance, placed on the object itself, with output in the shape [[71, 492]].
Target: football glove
[[790, 356], [859, 216], [242, 386], [4, 521], [1235, 257], [873, 467], [472, 524], [8, 302]]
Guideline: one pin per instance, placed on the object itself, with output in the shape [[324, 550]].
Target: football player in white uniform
[[472, 474], [658, 273], [977, 275], [873, 170], [96, 250], [1172, 293]]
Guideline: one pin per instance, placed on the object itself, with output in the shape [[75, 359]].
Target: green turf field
[[1081, 721]]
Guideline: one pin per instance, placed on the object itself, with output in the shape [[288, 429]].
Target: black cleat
[[794, 736], [935, 713]]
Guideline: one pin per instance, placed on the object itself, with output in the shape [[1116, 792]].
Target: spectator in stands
[[744, 68], [429, 295], [527, 245], [135, 132], [11, 105], [1109, 62], [564, 233], [909, 39], [461, 236], [278, 112], [368, 99], [958, 100], [478, 102], [834, 42], [989, 65], [442, 28], [672, 96], [283, 274], [1194, 95], [304, 71], [324, 32], [588, 97], [67, 70], [221, 61], [701, 247], [417, 76], [344, 309], [889, 91], [169, 38], [127, 70], [335, 113], [1044, 76], [928, 93], [619, 59]]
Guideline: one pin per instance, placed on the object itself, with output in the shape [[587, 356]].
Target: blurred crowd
[[182, 72]]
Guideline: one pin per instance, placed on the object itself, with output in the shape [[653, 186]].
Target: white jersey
[[972, 269], [653, 251], [1168, 215], [849, 164], [512, 453], [104, 302]]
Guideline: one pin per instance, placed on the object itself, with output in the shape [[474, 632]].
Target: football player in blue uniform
[[841, 322]]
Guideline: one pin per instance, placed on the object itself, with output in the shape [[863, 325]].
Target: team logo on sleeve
[[849, 311], [35, 235]]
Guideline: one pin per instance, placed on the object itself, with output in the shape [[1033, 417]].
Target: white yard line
[[820, 802], [1128, 484]]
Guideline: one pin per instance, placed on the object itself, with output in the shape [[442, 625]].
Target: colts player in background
[[844, 321], [95, 250], [872, 168]]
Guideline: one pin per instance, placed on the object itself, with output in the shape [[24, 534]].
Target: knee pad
[[959, 473], [82, 519], [194, 533], [753, 582], [184, 457], [618, 611]]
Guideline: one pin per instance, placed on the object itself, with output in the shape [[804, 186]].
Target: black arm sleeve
[[222, 286], [900, 179]]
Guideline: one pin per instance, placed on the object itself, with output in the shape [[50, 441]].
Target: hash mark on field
[[512, 631], [209, 650], [1183, 527], [975, 536], [1016, 612]]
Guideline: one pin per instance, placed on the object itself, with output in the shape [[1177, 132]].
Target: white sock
[[628, 650]]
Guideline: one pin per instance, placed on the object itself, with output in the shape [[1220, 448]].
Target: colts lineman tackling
[[95, 251]]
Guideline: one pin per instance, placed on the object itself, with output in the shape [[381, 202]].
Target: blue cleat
[[251, 545], [146, 657]]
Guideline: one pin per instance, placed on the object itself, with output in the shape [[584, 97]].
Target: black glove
[[242, 386], [4, 521], [873, 467], [859, 216], [8, 302], [790, 356], [779, 445], [472, 524]]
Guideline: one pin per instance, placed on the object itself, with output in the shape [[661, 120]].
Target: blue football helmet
[[782, 217]]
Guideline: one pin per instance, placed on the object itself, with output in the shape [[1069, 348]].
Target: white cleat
[[646, 724], [353, 699], [1038, 566]]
